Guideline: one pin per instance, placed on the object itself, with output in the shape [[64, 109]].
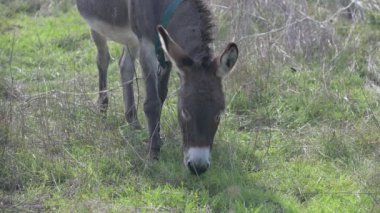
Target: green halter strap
[[164, 21]]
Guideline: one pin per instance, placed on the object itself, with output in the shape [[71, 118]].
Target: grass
[[303, 141]]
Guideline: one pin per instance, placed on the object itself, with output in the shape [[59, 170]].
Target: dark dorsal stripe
[[164, 21]]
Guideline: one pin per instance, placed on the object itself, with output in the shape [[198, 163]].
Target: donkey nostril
[[197, 169]]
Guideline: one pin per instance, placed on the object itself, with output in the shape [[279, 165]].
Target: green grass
[[305, 141]]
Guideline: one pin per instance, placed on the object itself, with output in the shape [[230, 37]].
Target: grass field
[[300, 133]]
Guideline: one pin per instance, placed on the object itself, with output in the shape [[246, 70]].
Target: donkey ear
[[227, 60], [173, 50]]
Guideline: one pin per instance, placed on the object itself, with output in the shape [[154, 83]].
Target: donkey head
[[201, 99]]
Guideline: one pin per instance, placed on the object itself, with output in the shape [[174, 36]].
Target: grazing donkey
[[156, 30]]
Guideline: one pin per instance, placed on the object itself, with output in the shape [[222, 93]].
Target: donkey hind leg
[[152, 104], [102, 61], [127, 71]]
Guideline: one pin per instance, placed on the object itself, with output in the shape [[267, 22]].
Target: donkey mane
[[207, 23], [206, 29]]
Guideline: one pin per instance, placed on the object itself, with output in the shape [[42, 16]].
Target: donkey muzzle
[[197, 159]]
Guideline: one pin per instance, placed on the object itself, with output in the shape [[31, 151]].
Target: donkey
[[161, 32]]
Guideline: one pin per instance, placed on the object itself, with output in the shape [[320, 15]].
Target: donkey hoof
[[102, 109], [136, 125], [154, 154], [132, 120], [102, 104]]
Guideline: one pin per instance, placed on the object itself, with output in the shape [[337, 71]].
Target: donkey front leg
[[127, 71], [164, 75], [152, 104], [102, 61]]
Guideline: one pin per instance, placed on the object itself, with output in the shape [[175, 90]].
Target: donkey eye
[[185, 115]]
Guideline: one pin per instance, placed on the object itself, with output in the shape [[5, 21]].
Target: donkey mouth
[[197, 159], [197, 170]]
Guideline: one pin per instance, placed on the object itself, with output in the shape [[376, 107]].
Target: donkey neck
[[191, 27]]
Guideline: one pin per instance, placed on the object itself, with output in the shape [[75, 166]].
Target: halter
[[164, 21]]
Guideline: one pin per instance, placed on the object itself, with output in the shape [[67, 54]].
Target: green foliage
[[9, 8], [3, 88], [374, 18]]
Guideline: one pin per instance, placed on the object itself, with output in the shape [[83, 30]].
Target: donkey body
[[136, 25]]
